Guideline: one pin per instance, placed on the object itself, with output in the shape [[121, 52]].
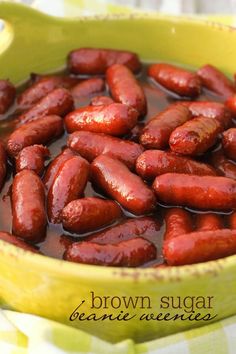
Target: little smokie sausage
[[214, 80], [88, 214], [114, 119], [54, 166], [95, 61], [195, 136], [152, 163], [178, 222], [29, 218], [202, 192], [58, 101], [117, 181], [32, 158], [200, 246], [90, 145], [131, 253], [181, 81], [7, 237], [41, 88], [213, 110], [157, 132], [146, 227], [229, 143], [209, 222], [125, 88], [40, 131], [7, 95], [101, 101], [3, 164], [87, 87], [68, 185]]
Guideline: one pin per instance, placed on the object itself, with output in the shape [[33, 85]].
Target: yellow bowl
[[34, 42]]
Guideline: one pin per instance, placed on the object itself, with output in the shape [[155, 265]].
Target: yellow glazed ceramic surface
[[34, 42]]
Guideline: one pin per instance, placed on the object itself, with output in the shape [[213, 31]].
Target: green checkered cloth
[[28, 334]]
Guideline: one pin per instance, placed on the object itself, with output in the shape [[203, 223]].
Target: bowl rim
[[138, 14], [62, 268]]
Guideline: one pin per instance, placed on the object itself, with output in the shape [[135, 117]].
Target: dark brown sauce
[[56, 240]]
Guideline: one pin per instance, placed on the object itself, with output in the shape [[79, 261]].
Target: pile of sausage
[[138, 167]]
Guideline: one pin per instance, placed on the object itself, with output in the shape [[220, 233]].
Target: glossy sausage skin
[[131, 253], [58, 101], [3, 164], [225, 167], [87, 87], [213, 110], [232, 221], [7, 95], [200, 246], [201, 192], [152, 163], [90, 145], [101, 101], [41, 88], [214, 80], [178, 222], [114, 119], [125, 88], [209, 222], [231, 104], [157, 132], [40, 131], [32, 158], [92, 61], [118, 182], [195, 136], [28, 206], [88, 214], [55, 165], [229, 143], [68, 184], [178, 80], [7, 237], [146, 227]]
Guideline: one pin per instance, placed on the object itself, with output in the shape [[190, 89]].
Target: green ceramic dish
[[34, 42]]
